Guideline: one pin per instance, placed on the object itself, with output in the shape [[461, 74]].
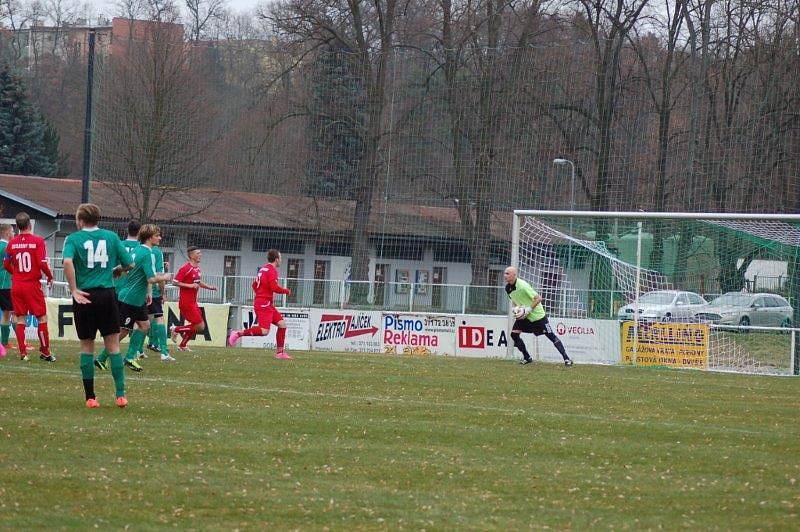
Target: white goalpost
[[715, 291]]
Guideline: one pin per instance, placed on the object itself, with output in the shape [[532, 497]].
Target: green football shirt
[[130, 246], [95, 253], [135, 290], [159, 268], [5, 276], [523, 295]]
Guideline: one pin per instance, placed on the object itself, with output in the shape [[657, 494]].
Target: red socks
[[280, 337], [252, 331], [183, 329], [44, 339], [19, 328]]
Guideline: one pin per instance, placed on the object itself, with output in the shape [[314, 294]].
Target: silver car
[[737, 308], [665, 305]]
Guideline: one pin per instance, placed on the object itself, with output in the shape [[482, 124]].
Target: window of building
[[339, 248], [399, 250], [452, 252], [499, 254], [286, 245], [217, 241]]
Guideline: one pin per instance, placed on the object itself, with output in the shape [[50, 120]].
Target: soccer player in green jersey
[[92, 257], [137, 293], [130, 244], [6, 234], [530, 316], [158, 328]]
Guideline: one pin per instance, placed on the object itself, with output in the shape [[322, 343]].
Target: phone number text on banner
[[417, 334], [676, 345]]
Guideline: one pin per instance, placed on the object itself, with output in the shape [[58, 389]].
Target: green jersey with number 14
[[95, 253]]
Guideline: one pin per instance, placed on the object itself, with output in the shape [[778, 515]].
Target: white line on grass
[[414, 402]]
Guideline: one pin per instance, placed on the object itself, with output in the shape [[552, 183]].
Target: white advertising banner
[[61, 322], [345, 330], [586, 341], [418, 334], [482, 336], [297, 326]]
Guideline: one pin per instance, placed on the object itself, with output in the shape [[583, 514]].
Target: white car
[[664, 305]]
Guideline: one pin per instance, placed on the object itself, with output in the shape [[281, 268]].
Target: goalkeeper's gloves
[[521, 312]]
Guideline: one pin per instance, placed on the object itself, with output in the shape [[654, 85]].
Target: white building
[[420, 245]]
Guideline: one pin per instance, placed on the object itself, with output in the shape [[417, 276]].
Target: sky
[[106, 7]]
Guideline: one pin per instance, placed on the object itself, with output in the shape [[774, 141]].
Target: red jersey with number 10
[[26, 259], [266, 284], [190, 275]]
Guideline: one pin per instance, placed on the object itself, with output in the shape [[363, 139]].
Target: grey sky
[[106, 7]]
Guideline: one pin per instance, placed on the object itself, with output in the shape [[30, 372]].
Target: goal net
[[718, 292]]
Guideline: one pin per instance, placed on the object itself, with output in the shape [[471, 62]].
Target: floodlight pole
[[87, 131]]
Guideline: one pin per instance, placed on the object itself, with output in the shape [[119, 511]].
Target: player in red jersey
[[265, 287], [188, 280], [26, 259]]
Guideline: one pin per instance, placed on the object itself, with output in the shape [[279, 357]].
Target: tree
[[52, 144], [22, 131], [660, 68], [336, 123], [202, 13], [155, 130], [365, 28]]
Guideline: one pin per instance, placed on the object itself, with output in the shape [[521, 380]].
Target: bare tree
[[367, 30], [155, 130], [203, 13], [18, 15], [662, 61]]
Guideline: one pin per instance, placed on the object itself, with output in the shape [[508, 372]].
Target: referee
[[530, 316]]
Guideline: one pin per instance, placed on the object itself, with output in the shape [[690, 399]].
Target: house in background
[[410, 243]]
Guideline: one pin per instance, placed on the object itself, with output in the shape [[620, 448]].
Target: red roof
[[247, 209]]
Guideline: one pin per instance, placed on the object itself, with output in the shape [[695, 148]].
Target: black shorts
[[538, 327], [5, 299], [100, 315], [156, 308], [129, 315]]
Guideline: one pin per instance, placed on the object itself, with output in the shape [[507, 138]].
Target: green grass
[[229, 439]]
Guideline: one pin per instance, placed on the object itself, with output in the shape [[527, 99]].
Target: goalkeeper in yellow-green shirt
[[530, 316]]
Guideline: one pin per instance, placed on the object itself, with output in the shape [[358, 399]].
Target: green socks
[[5, 332], [152, 334], [103, 356], [162, 338], [135, 345], [118, 372], [87, 372]]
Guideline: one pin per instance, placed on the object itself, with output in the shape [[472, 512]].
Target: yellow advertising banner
[[62, 325], [676, 345]]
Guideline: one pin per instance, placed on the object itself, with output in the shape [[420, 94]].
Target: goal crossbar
[[638, 215]]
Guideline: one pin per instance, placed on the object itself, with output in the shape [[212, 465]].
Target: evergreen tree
[[52, 141], [22, 131], [336, 125]]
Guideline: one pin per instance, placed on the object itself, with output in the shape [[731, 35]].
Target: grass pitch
[[232, 438]]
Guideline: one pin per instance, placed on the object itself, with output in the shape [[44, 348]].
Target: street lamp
[[562, 162]]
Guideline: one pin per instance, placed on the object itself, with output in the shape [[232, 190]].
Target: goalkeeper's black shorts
[[538, 327]]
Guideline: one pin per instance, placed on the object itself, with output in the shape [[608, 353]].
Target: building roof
[[58, 198]]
